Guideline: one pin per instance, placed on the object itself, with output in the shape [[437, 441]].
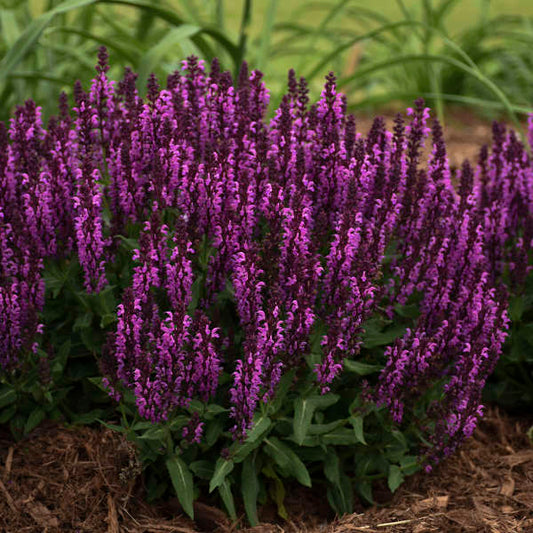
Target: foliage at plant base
[[266, 302]]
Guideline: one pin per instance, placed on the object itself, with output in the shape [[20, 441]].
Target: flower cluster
[[303, 224]]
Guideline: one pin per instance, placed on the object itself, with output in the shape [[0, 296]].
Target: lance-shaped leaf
[[304, 410], [250, 489], [287, 460], [222, 469], [182, 481]]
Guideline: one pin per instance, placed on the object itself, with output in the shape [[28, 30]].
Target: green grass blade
[[31, 34], [175, 20], [74, 53], [10, 27], [330, 15], [100, 39], [219, 15], [367, 13], [145, 23], [155, 54], [37, 76], [266, 35], [407, 58], [243, 35], [318, 69]]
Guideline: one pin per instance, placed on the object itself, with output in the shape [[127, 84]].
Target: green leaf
[[59, 362], [155, 434], [83, 321], [115, 427], [214, 429], [106, 303], [331, 467], [407, 311], [373, 338], [107, 319], [364, 488], [277, 491], [142, 425], [340, 493], [250, 489], [7, 414], [410, 464], [117, 49], [35, 418], [7, 396], [16, 426], [227, 498], [362, 369], [56, 276], [223, 467], [97, 382], [182, 482], [397, 448], [93, 340], [395, 477], [128, 244], [89, 417], [304, 410], [178, 422], [282, 390], [516, 308], [287, 460], [339, 437], [215, 409], [202, 469], [254, 438], [321, 429], [357, 422]]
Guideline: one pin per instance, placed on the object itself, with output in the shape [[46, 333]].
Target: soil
[[82, 479]]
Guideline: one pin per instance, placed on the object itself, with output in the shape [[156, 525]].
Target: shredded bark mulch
[[87, 480]]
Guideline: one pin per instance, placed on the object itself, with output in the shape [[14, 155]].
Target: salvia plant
[[263, 302]]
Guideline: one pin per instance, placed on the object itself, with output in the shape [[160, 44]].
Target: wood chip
[[437, 502], [518, 458], [41, 514], [9, 463], [112, 518], [8, 497], [507, 488]]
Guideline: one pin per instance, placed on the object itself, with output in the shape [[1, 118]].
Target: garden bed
[[87, 479], [83, 479]]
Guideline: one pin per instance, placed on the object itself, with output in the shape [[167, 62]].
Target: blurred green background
[[385, 53]]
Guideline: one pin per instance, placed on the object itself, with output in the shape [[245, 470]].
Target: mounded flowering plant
[[265, 301]]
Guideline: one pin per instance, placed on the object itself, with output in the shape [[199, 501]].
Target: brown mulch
[[84, 479]]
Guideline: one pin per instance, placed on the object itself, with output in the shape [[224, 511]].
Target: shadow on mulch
[[83, 479]]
